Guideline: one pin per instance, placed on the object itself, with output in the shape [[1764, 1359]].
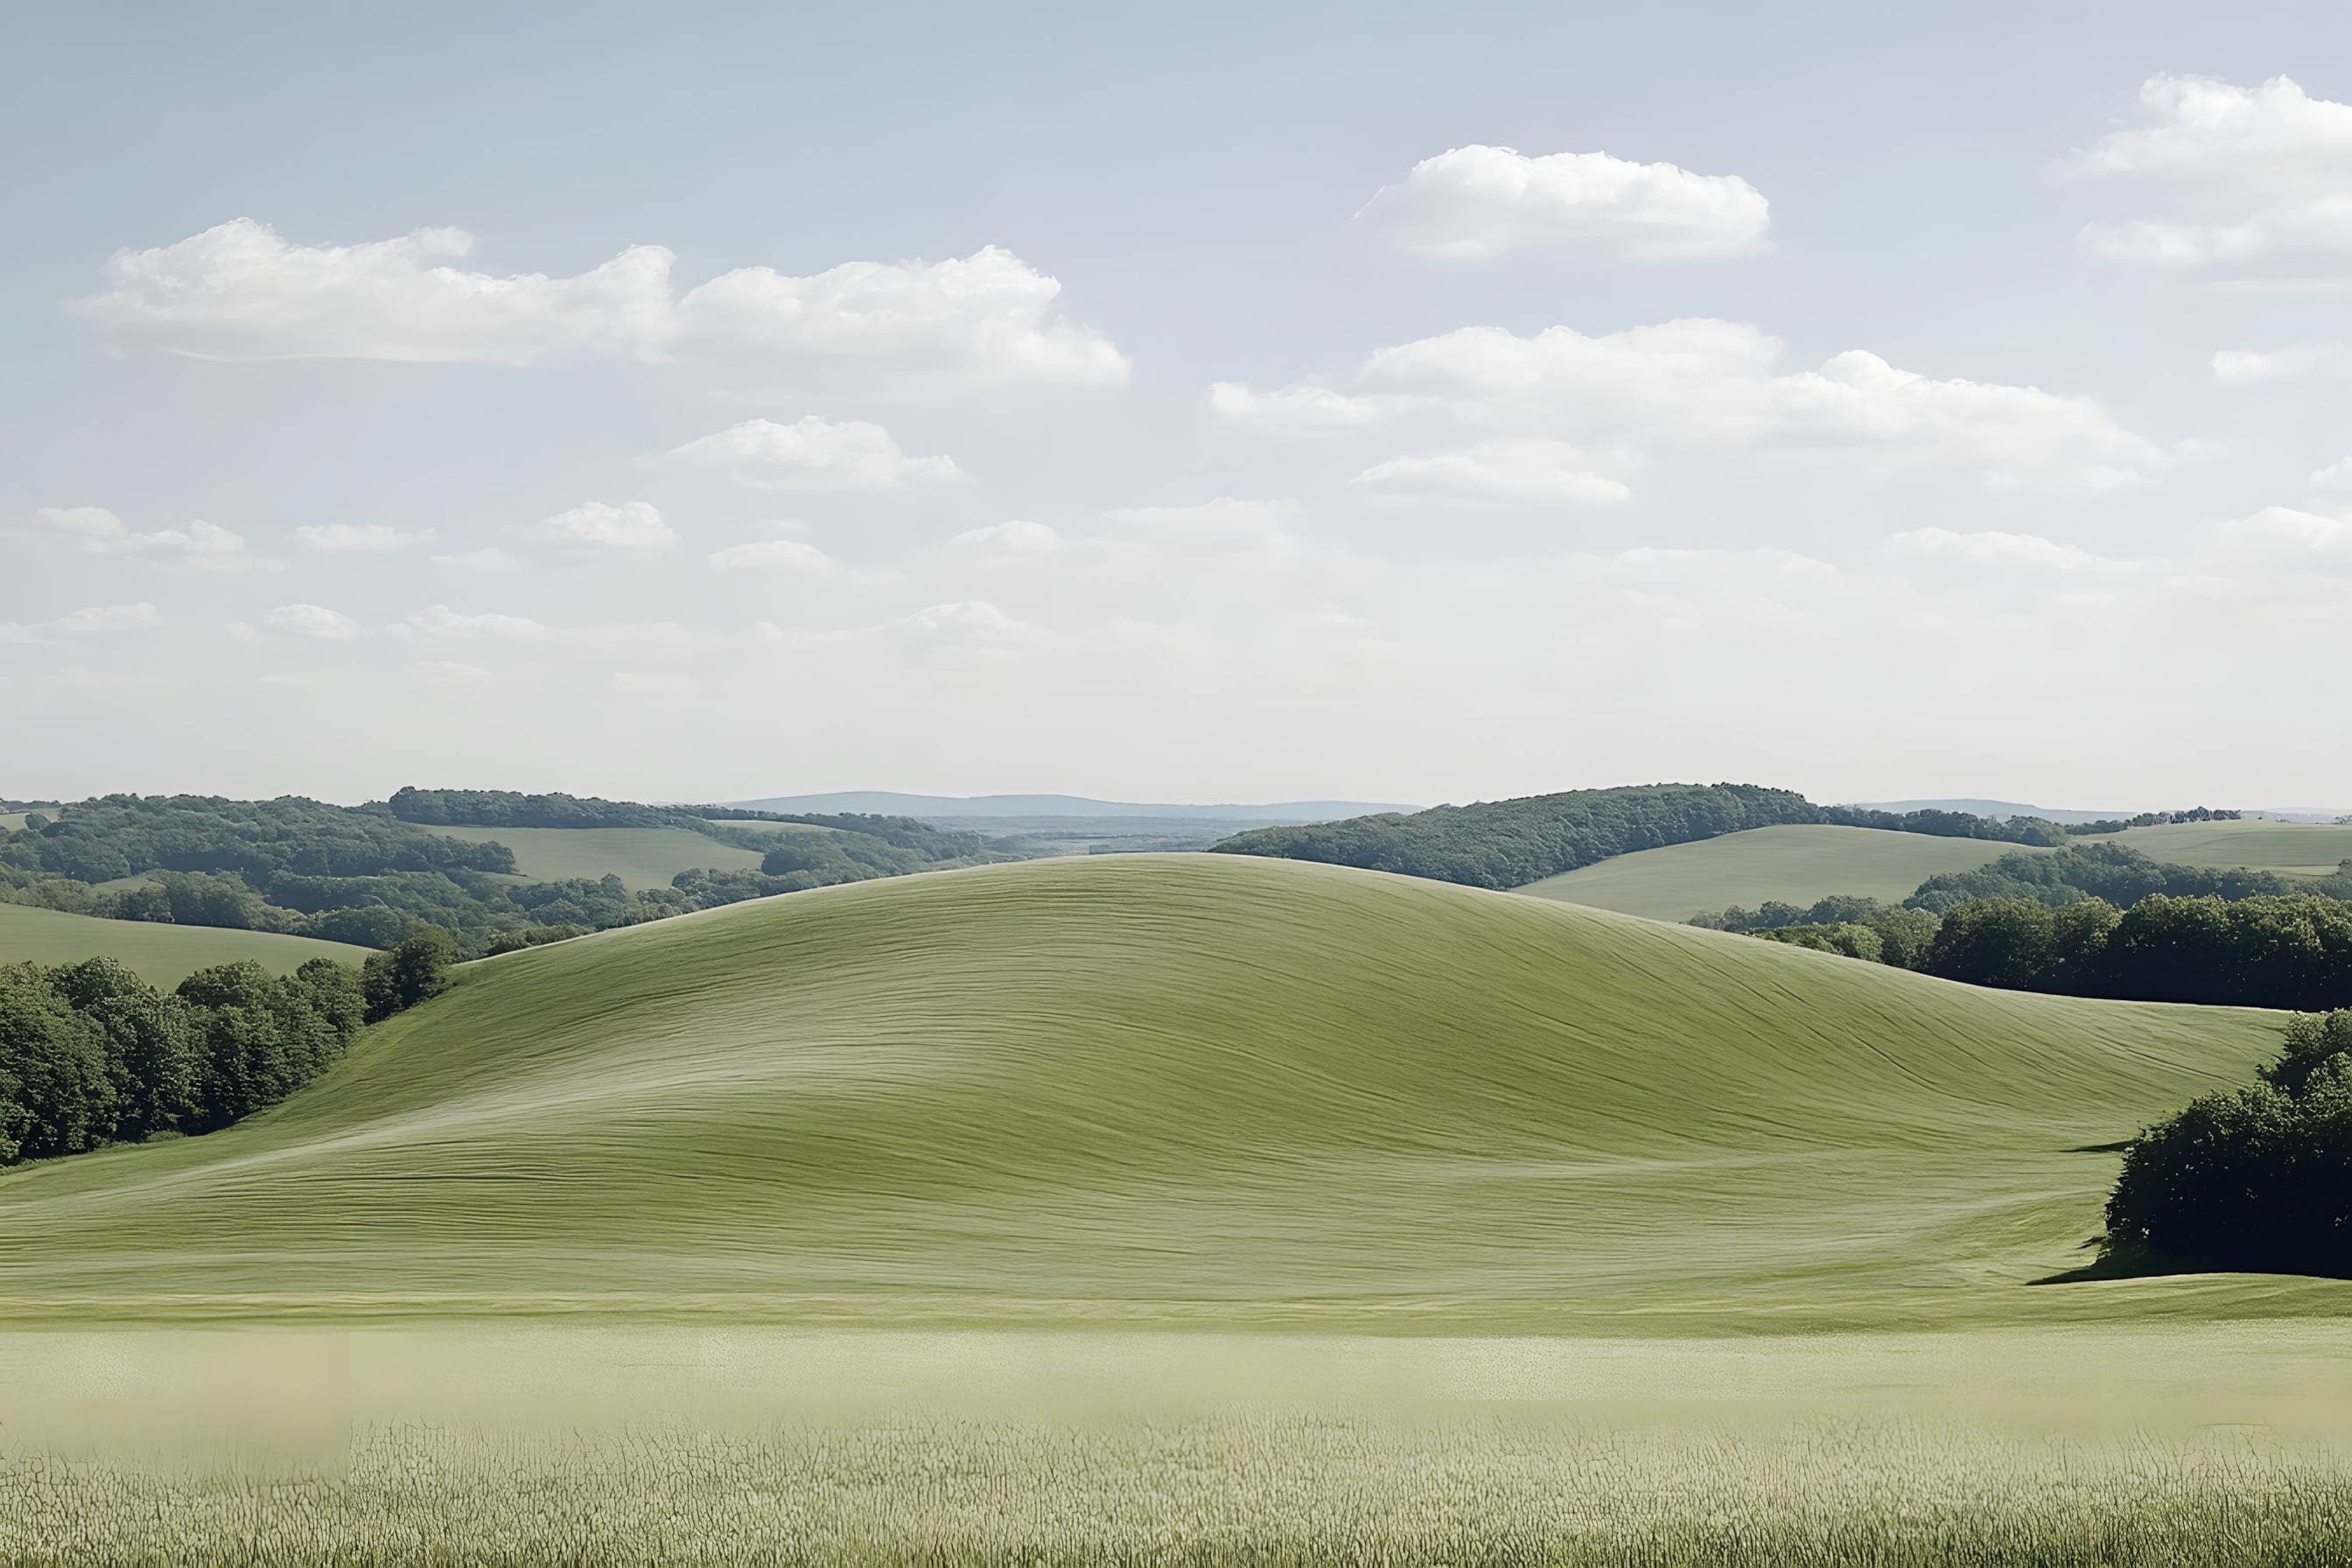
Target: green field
[[2289, 849], [1168, 1090], [1173, 1209], [640, 857], [1792, 864], [163, 954]]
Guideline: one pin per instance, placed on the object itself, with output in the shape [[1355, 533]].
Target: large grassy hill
[[2289, 849], [1167, 1089], [163, 954], [640, 857], [1795, 864]]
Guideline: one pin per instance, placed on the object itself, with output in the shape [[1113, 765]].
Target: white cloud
[[2241, 367], [771, 555], [981, 318], [1529, 470], [440, 621], [1302, 409], [1711, 382], [1479, 201], [488, 559], [2264, 175], [2335, 475], [360, 536], [632, 525], [313, 621], [815, 453], [140, 616], [965, 620], [200, 544], [239, 291]]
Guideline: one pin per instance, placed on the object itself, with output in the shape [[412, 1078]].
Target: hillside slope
[[162, 954], [1173, 1088], [1794, 863]]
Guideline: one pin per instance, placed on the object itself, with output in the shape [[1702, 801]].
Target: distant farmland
[[164, 954], [640, 857], [1792, 864]]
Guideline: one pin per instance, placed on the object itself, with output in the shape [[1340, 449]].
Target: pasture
[[640, 857], [1168, 1090], [2289, 849], [1793, 864], [162, 954], [1172, 1209]]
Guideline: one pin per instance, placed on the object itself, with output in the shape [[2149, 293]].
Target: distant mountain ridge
[[892, 804]]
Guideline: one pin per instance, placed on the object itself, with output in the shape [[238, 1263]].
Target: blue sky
[[1213, 402]]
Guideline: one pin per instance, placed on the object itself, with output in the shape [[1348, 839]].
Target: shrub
[[2261, 1179]]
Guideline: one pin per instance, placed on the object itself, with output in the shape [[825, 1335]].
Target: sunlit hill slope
[[1173, 1088]]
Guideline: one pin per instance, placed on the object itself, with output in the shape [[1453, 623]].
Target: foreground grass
[[1236, 1488]]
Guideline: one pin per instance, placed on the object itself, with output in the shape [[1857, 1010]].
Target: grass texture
[[1795, 865], [162, 954], [640, 857], [2289, 849], [1269, 1488], [1165, 1090]]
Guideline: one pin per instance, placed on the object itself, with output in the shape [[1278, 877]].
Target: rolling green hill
[[640, 857], [1166, 1090], [2289, 849], [1793, 864], [163, 954]]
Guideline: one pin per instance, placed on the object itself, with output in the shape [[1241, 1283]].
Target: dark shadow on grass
[[2101, 1147], [2138, 1263]]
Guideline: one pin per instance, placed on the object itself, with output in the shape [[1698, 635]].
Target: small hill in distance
[[1036, 824]]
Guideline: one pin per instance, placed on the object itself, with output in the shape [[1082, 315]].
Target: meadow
[[1793, 864], [640, 857], [162, 954], [2289, 849], [1169, 1209]]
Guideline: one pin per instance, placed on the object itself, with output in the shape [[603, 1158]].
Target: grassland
[[1168, 1090], [163, 954], [2289, 849], [1795, 865], [640, 857], [1169, 1210]]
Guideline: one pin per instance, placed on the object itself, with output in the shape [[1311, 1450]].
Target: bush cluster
[[2261, 1179]]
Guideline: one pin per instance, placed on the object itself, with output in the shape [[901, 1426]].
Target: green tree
[[414, 972]]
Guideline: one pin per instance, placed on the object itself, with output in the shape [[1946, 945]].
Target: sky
[[1213, 402]]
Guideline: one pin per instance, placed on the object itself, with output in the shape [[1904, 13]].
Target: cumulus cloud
[[1301, 409], [771, 555], [1532, 469], [313, 621], [2335, 475], [984, 316], [1006, 540], [1478, 201], [360, 536], [814, 454], [2262, 176], [200, 544], [2242, 367], [240, 291], [632, 525], [1713, 382], [440, 622]]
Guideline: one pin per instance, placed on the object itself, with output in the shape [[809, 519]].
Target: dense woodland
[[2096, 920], [90, 1054], [373, 874], [1510, 843]]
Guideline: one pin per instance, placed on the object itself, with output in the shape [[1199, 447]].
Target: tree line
[[90, 1054], [1511, 843], [370, 878]]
